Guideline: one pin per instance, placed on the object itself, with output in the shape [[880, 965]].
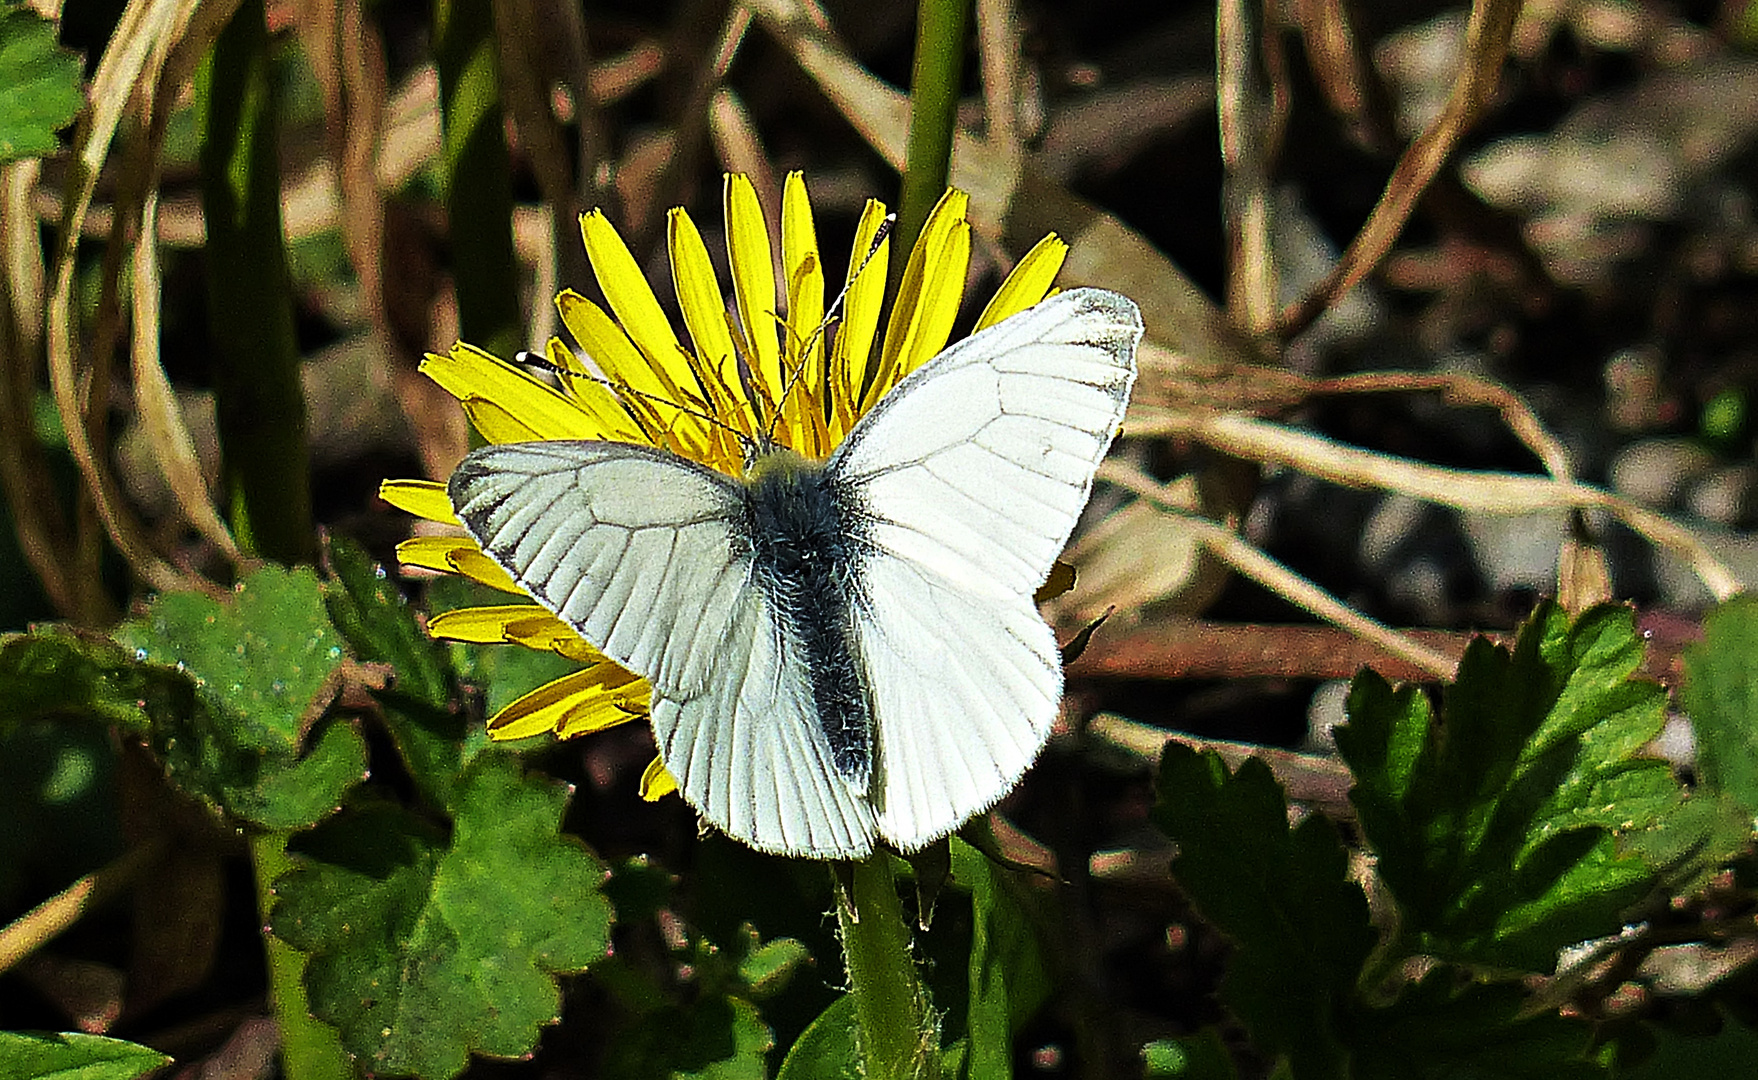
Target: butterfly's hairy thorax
[[803, 537]]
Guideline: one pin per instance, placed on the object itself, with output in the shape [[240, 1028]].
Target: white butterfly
[[848, 651]]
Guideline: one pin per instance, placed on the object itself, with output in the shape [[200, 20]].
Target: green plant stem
[[477, 177], [257, 396], [934, 87], [899, 1037], [310, 1049]]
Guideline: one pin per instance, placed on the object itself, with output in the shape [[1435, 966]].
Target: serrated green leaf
[[1516, 823], [425, 949], [1008, 982], [829, 1048], [40, 85], [57, 673], [429, 733], [379, 625], [262, 669], [1284, 897], [307, 789], [1721, 697], [28, 1055], [1437, 1030], [259, 662]]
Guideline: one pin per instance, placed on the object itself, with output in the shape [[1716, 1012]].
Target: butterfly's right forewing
[[964, 484]]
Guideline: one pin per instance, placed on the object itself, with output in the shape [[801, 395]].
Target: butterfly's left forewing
[[964, 484], [631, 547], [641, 553]]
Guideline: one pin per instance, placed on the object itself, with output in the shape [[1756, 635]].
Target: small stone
[[1723, 495], [1391, 524], [1324, 712], [1652, 471], [1516, 551]]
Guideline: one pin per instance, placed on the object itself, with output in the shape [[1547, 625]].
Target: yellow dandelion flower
[[773, 375]]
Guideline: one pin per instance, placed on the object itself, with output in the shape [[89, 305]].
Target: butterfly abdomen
[[803, 560]]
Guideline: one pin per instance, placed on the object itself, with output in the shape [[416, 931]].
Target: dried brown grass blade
[[1488, 492], [1254, 564], [1486, 44], [44, 535], [42, 923], [1306, 777], [1248, 152], [156, 402], [142, 33]]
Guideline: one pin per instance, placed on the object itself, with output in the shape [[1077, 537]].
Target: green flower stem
[[310, 1049], [899, 1037], [260, 405], [477, 176], [934, 87]]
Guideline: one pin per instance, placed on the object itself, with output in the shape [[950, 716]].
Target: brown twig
[[1486, 43], [1179, 648], [1344, 75], [1464, 389], [1242, 556], [1313, 778]]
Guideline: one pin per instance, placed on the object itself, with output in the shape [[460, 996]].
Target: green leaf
[[379, 625], [1729, 1051], [1008, 983], [423, 948], [1299, 925], [40, 85], [1202, 1056], [429, 733], [829, 1048], [1721, 697], [58, 673], [263, 669], [260, 662], [766, 968], [41, 1056], [1437, 1030], [1511, 826], [715, 1037]]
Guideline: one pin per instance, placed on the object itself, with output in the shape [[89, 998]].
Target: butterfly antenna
[[617, 386], [884, 230]]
